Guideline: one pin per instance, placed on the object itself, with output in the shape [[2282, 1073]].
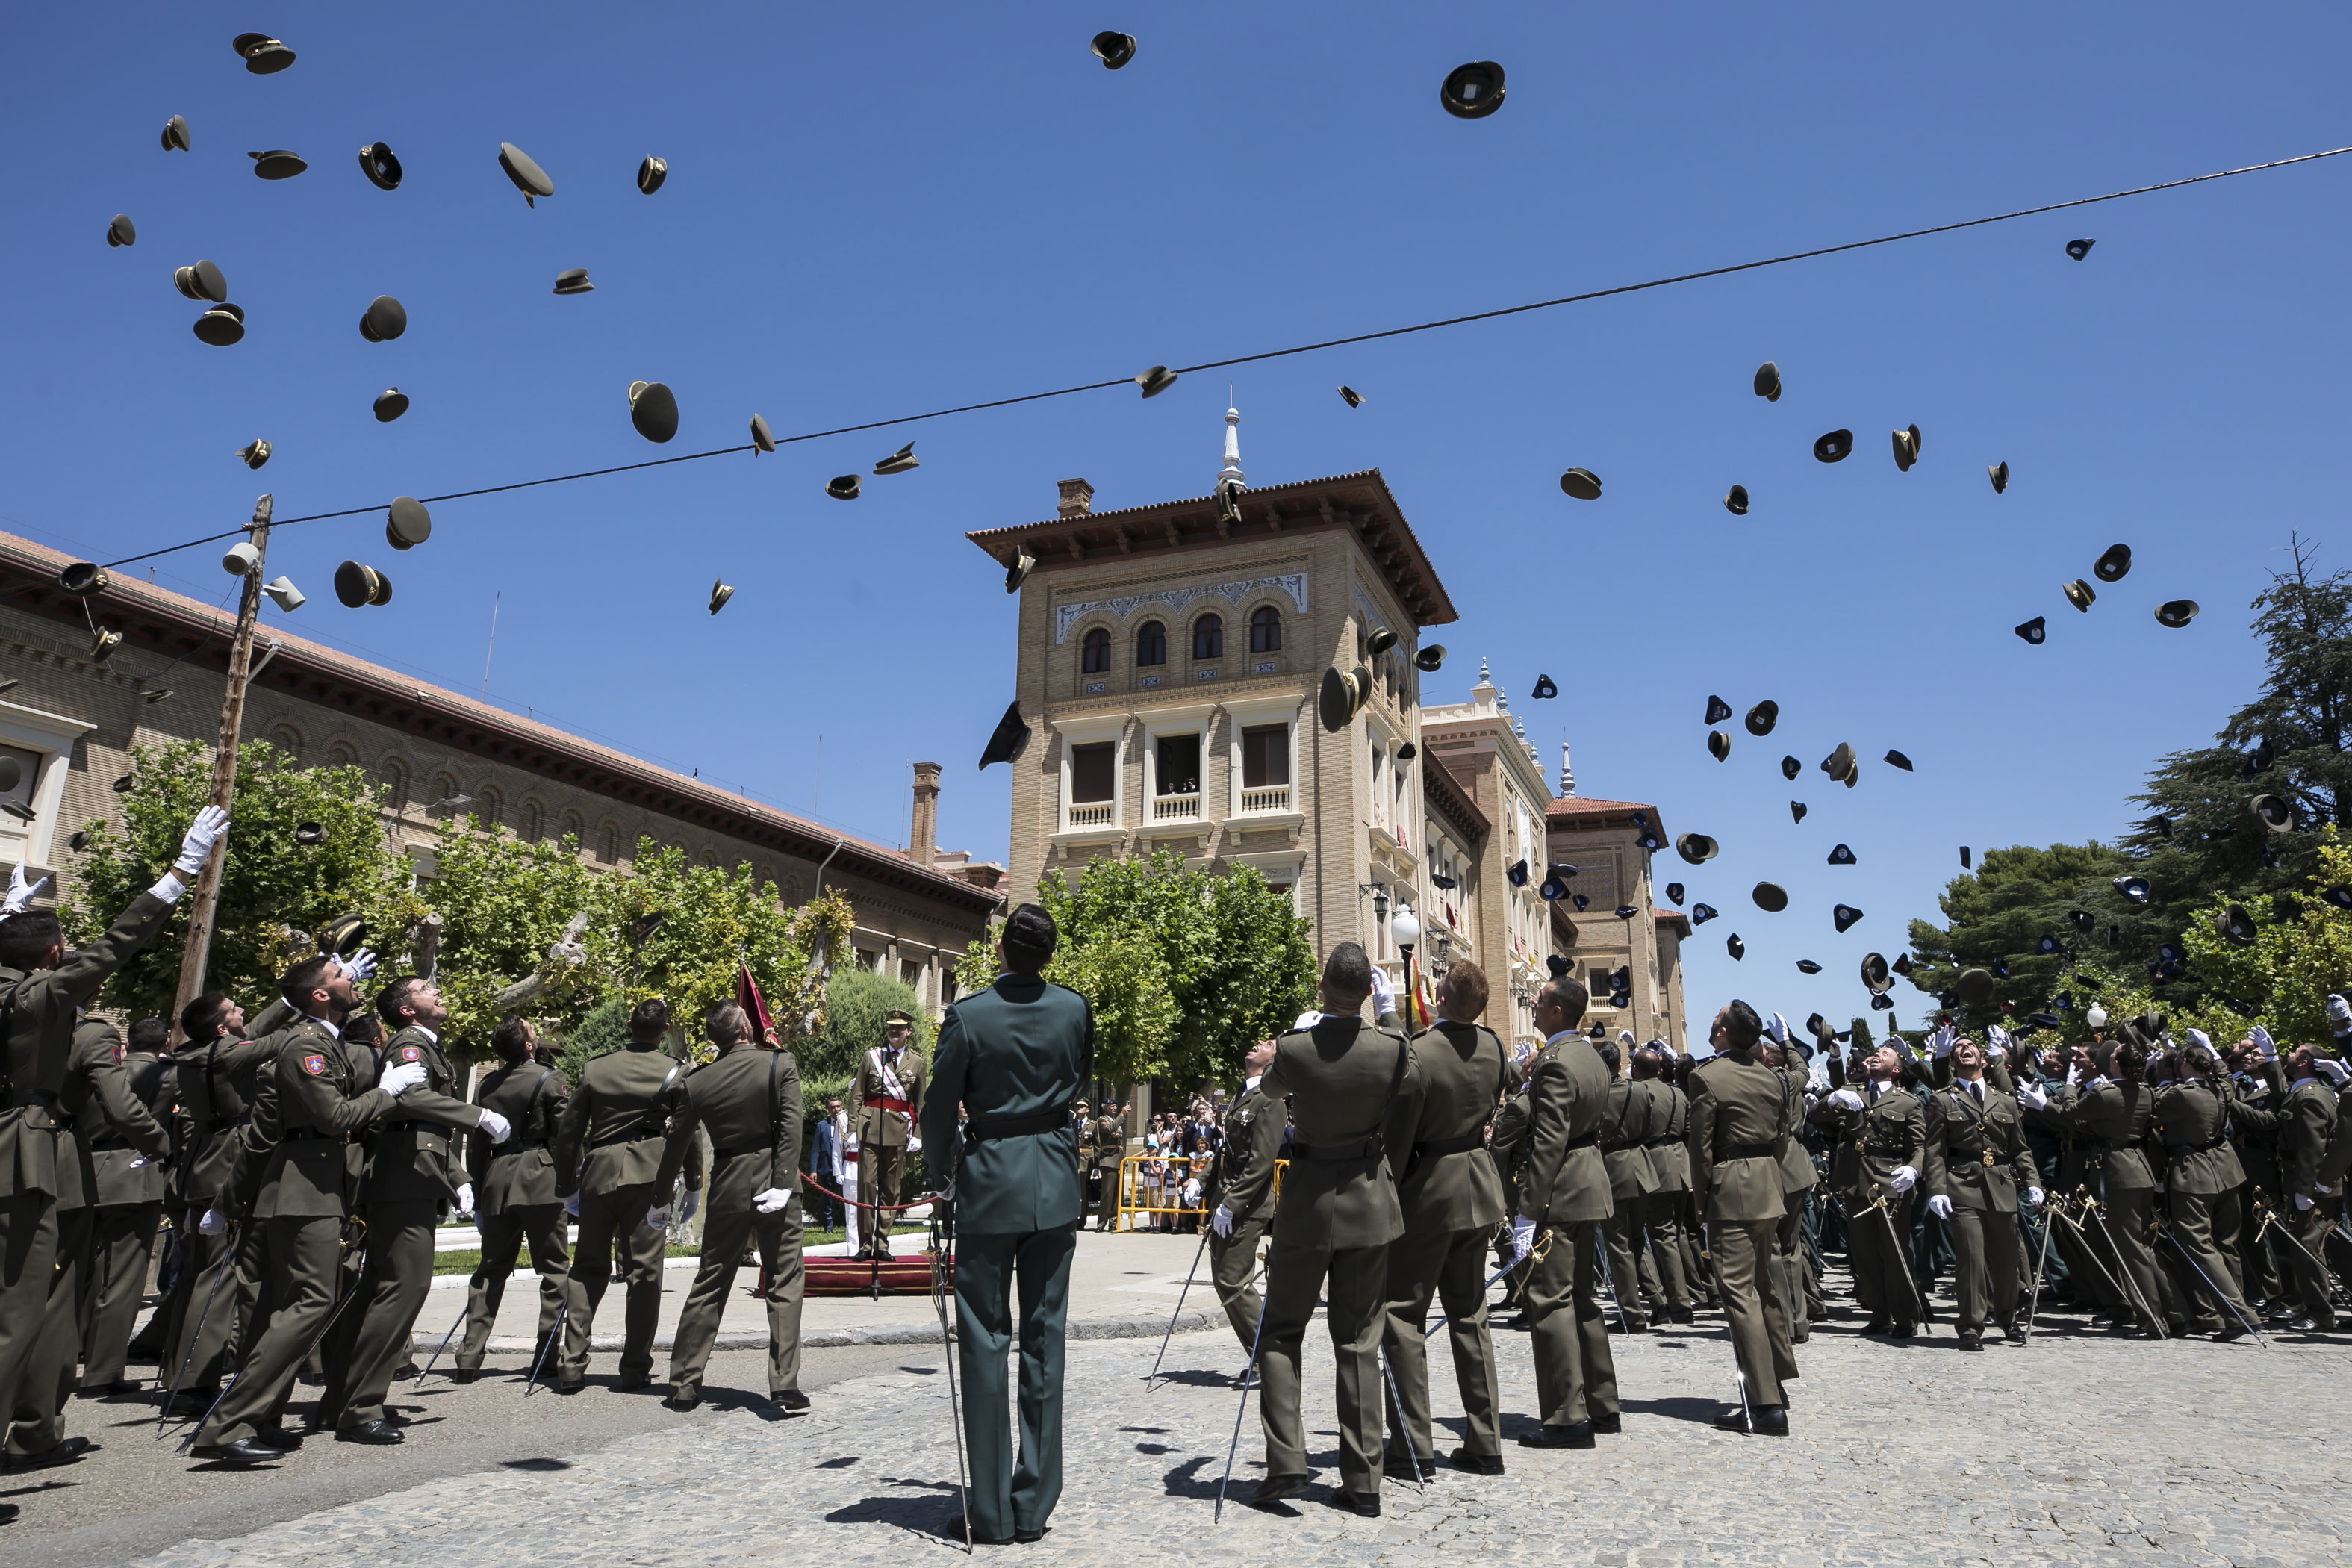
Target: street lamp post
[[1405, 932]]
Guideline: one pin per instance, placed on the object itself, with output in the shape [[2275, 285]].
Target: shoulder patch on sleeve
[[119, 1053], [314, 1064], [411, 1054]]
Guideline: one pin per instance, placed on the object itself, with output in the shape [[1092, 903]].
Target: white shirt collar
[[1252, 1082], [2300, 1082], [426, 1033], [327, 1023]]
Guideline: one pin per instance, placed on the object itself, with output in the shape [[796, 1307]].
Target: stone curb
[[1134, 1328]]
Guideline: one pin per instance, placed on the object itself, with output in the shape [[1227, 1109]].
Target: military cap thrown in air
[[1156, 380], [2113, 564], [1734, 500], [1431, 658], [1836, 447], [1472, 91], [1517, 874], [720, 592], [221, 325], [278, 163], [255, 454], [1342, 696], [2080, 595], [1718, 711], [2135, 888], [2176, 612], [1697, 847], [1544, 688], [1771, 896], [382, 169], [407, 524], [120, 231], [1839, 763], [1734, 946], [2034, 630], [1906, 449], [1718, 744], [1703, 912], [357, 585], [83, 578], [899, 461], [390, 404], [2079, 248], [384, 320], [651, 173], [1895, 758], [653, 409], [527, 177], [1790, 768], [2236, 925], [1767, 381], [573, 280], [1580, 484], [263, 55], [1354, 399], [175, 134], [1842, 856], [842, 487], [1017, 570], [1114, 50], [1845, 915], [1874, 972], [1807, 966], [2273, 813], [103, 644], [1797, 811], [1674, 894], [1998, 473], [1010, 738], [201, 281], [1762, 717], [308, 833], [1626, 911]]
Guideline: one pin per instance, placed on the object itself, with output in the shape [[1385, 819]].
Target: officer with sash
[[890, 1113]]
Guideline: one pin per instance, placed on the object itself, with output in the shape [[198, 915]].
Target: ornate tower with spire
[[1232, 472]]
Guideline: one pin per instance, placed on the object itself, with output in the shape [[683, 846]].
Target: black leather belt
[[1623, 1148], [718, 1154], [26, 1101], [1663, 1143], [980, 1129], [1462, 1145], [1589, 1140], [2218, 1141], [629, 1137], [1745, 1151], [306, 1134], [510, 1147], [1339, 1153]]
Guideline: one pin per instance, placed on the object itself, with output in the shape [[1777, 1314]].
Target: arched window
[[534, 822], [1209, 637], [573, 828], [393, 775], [1151, 643], [287, 739], [1096, 652], [1265, 630]]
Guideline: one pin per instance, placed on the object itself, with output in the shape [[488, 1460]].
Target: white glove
[[1940, 1207], [211, 1224], [2323, 1189], [2159, 1187], [2031, 1096], [400, 1078], [1778, 1030], [772, 1200], [657, 1217], [198, 847], [2264, 1044], [2200, 1037], [1903, 1178], [2033, 1197], [915, 1143], [1943, 1039], [1847, 1098], [20, 897], [1383, 993], [2339, 1014], [465, 1197], [1192, 1191], [2331, 1069], [2301, 1203], [497, 1126], [1998, 1037], [687, 1205], [571, 1205], [1222, 1222], [2073, 1073], [359, 967], [1523, 1236]]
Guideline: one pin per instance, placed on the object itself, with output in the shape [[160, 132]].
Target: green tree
[[604, 1028], [2284, 976], [273, 883], [502, 904], [857, 1003]]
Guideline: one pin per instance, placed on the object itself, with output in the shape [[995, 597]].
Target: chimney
[[1077, 497], [923, 841]]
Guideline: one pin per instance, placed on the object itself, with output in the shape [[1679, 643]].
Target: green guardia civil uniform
[[1889, 1133], [2204, 1191], [1242, 1177], [608, 1149], [1740, 1126], [132, 1183], [1977, 1158], [1453, 1200], [1565, 1189], [1015, 1056], [748, 1099], [1627, 1125], [515, 1199]]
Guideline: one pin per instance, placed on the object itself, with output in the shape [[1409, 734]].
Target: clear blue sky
[[872, 212]]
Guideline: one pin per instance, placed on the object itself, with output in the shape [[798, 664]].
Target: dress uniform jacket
[[1241, 1179], [413, 1159], [2202, 1191], [216, 1082], [1628, 1123], [609, 1144], [1565, 1189], [885, 1119], [1977, 1158], [1739, 1127], [1669, 1117], [515, 1199]]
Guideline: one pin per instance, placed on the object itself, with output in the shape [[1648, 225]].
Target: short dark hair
[[363, 1029], [25, 939], [1607, 1051], [148, 1034], [1741, 1027], [396, 995], [1348, 969], [1029, 937], [313, 973], [1568, 995], [648, 1019], [726, 1023], [511, 1038], [201, 1018]]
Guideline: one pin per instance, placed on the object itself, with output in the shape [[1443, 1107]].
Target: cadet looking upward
[[1242, 1183], [513, 1190], [1739, 1124]]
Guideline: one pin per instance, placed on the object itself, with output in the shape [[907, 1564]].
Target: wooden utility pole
[[206, 895]]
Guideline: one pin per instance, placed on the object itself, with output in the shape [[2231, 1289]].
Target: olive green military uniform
[[1658, 1217], [2300, 1126], [95, 1101], [1627, 1125], [1013, 1054], [1565, 1189], [2204, 1192], [1793, 1275], [515, 1200], [130, 1196], [1889, 1133], [413, 1177], [885, 1122], [1348, 1086], [1506, 1145], [608, 1149], [2110, 1123], [220, 1275], [2080, 1155], [2258, 1135], [1977, 1158], [1452, 1200], [40, 1023], [292, 1161], [750, 1100], [1243, 1180], [1740, 1126], [1106, 1147]]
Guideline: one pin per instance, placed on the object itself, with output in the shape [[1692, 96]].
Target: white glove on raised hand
[[1997, 1036], [2266, 1047], [211, 1224], [1778, 1030], [20, 895], [1943, 1039], [657, 1217], [465, 1197], [1222, 1222], [687, 1205], [1523, 1236], [2330, 1070], [497, 1126], [1940, 1207], [1383, 993], [2301, 1202], [198, 847], [2073, 1073], [1847, 1098], [400, 1078], [2030, 1096], [772, 1200], [359, 967], [1903, 1178], [2033, 1197]]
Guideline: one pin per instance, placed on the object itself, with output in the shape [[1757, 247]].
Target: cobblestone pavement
[[2074, 1448]]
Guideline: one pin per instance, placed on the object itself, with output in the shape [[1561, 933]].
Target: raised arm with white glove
[[1943, 1039], [1383, 993], [210, 826], [358, 967], [20, 894], [2030, 1096]]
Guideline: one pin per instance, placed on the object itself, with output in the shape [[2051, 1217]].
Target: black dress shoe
[[243, 1452], [1972, 1341], [1680, 1314], [1901, 1332], [8, 1511], [1608, 1425], [1732, 1420], [1027, 1536], [1772, 1421], [2312, 1326], [381, 1434], [2014, 1333], [791, 1401], [192, 1402], [1362, 1506], [1577, 1435], [466, 1374], [115, 1390], [68, 1451], [1276, 1489], [954, 1526], [2229, 1331], [1476, 1464], [278, 1437], [1875, 1326], [629, 1383], [682, 1403]]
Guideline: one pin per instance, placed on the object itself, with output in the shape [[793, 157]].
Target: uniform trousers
[[1985, 1266], [1011, 1493], [503, 1235], [120, 1252], [1791, 1272], [2205, 1227], [1296, 1274], [37, 1421], [394, 1284], [726, 1235], [879, 1169], [1620, 1236], [1232, 1270], [1697, 1273], [1659, 1257], [28, 1262], [1877, 1243], [1449, 1264], [614, 1220], [2311, 1228], [304, 1262], [1576, 1375], [1742, 1252]]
